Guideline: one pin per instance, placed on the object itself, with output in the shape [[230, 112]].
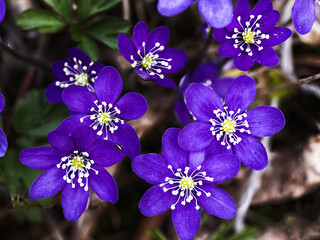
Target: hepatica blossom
[[226, 127], [73, 165], [3, 138], [207, 74], [149, 56], [217, 13], [250, 36], [183, 182], [304, 15], [78, 70], [103, 113]]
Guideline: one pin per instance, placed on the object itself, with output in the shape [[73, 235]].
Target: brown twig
[[26, 58]]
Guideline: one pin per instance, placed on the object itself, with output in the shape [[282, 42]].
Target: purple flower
[[2, 10], [304, 15], [226, 127], [148, 55], [206, 74], [217, 13], [78, 70], [250, 36], [103, 113], [3, 138], [184, 182], [73, 165]]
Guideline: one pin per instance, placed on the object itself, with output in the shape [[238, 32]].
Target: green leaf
[[63, 7], [89, 46], [45, 21], [156, 234], [35, 116], [276, 79], [107, 29], [87, 8], [75, 32]]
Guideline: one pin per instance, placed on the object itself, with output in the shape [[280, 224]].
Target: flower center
[[248, 35], [229, 126], [81, 79], [226, 124], [78, 74], [104, 118], [186, 186], [77, 165], [151, 61], [186, 183]]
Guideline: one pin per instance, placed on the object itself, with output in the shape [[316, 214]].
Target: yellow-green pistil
[[186, 183], [248, 36], [228, 126], [81, 79]]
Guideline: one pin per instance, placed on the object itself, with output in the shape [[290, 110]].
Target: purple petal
[[140, 35], [78, 99], [277, 36], [186, 220], [2, 10], [70, 124], [219, 34], [251, 152], [265, 121], [227, 49], [171, 8], [151, 167], [97, 67], [155, 201], [221, 86], [216, 148], [196, 136], [108, 85], [126, 48], [40, 157], [54, 93], [205, 72], [178, 60], [84, 138], [3, 143], [202, 100], [184, 84], [61, 141], [127, 138], [219, 204], [267, 57], [269, 21], [263, 7], [221, 167], [165, 82], [172, 153], [241, 93], [57, 69], [243, 61], [182, 113], [217, 13], [48, 184], [105, 153], [2, 102], [196, 159], [158, 35], [103, 185], [243, 11], [79, 55], [132, 106], [303, 15], [74, 202]]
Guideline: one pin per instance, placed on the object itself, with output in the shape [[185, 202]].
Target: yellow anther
[[229, 126]]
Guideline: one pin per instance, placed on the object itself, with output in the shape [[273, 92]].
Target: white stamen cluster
[[249, 34], [77, 165], [78, 74], [104, 118], [226, 124], [318, 2], [151, 61], [186, 186]]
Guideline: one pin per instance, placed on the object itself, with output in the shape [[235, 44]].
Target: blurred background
[[280, 202]]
